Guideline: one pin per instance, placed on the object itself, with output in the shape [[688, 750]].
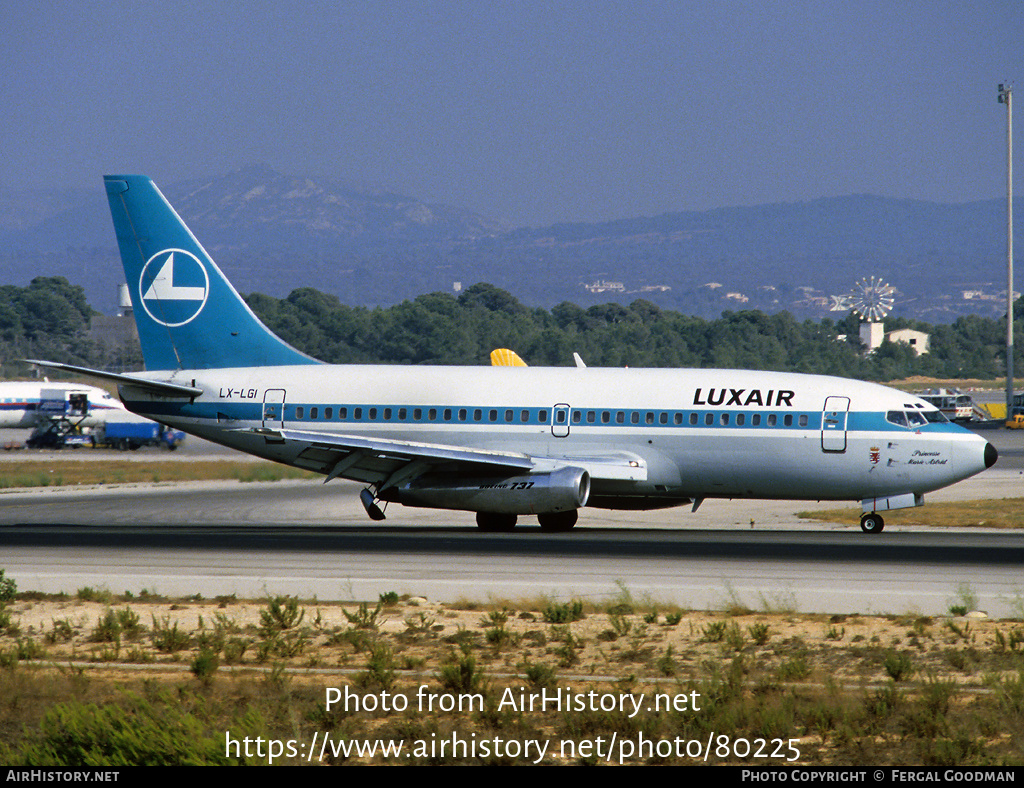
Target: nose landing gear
[[872, 523]]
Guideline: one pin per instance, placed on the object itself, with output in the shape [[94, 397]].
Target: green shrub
[[205, 665], [459, 672], [8, 589], [898, 665], [563, 613], [167, 637], [281, 613]]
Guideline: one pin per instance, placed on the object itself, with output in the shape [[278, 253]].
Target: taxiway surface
[[310, 539], [314, 540]]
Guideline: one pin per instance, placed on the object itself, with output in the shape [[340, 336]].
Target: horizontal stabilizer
[[156, 387]]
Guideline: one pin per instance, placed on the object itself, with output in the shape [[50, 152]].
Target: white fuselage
[[27, 404], [689, 433]]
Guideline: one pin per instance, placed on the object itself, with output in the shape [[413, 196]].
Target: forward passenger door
[[833, 424]]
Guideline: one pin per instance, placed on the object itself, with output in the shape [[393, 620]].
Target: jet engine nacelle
[[531, 493]]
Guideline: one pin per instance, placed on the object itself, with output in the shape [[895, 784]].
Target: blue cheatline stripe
[[366, 413]]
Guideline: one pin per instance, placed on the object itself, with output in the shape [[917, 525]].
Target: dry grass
[[45, 473], [918, 382], [851, 689], [987, 513]]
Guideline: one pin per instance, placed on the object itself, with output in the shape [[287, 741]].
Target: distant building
[[873, 334], [918, 340], [603, 286]]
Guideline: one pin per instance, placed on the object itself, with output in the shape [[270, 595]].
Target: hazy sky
[[531, 112]]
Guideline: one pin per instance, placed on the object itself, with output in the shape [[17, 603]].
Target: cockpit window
[[913, 418], [935, 417]]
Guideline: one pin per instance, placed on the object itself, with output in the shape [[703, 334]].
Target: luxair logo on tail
[[173, 287]]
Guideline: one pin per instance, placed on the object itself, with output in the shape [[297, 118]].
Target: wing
[[390, 463]]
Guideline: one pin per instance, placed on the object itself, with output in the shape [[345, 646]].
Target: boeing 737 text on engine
[[505, 441]]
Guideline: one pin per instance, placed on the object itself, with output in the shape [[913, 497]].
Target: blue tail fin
[[188, 314]]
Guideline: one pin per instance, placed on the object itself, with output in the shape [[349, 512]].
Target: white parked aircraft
[[28, 404], [505, 441]]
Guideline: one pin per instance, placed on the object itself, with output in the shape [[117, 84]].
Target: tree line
[[50, 319], [442, 328]]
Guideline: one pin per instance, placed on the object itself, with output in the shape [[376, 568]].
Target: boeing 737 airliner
[[504, 441]]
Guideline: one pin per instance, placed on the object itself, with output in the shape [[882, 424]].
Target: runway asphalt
[[311, 539]]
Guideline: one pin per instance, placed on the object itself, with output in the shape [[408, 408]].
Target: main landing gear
[[872, 523], [558, 521], [549, 521], [492, 522]]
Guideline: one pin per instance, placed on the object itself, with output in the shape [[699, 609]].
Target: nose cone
[[991, 455]]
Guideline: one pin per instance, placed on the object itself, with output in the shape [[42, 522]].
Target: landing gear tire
[[558, 521], [492, 522], [872, 523]]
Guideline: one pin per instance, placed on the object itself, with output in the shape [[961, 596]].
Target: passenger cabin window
[[299, 412]]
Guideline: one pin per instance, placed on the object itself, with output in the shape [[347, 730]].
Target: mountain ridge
[[274, 232]]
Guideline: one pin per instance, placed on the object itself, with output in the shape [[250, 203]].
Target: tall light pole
[[1006, 97]]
